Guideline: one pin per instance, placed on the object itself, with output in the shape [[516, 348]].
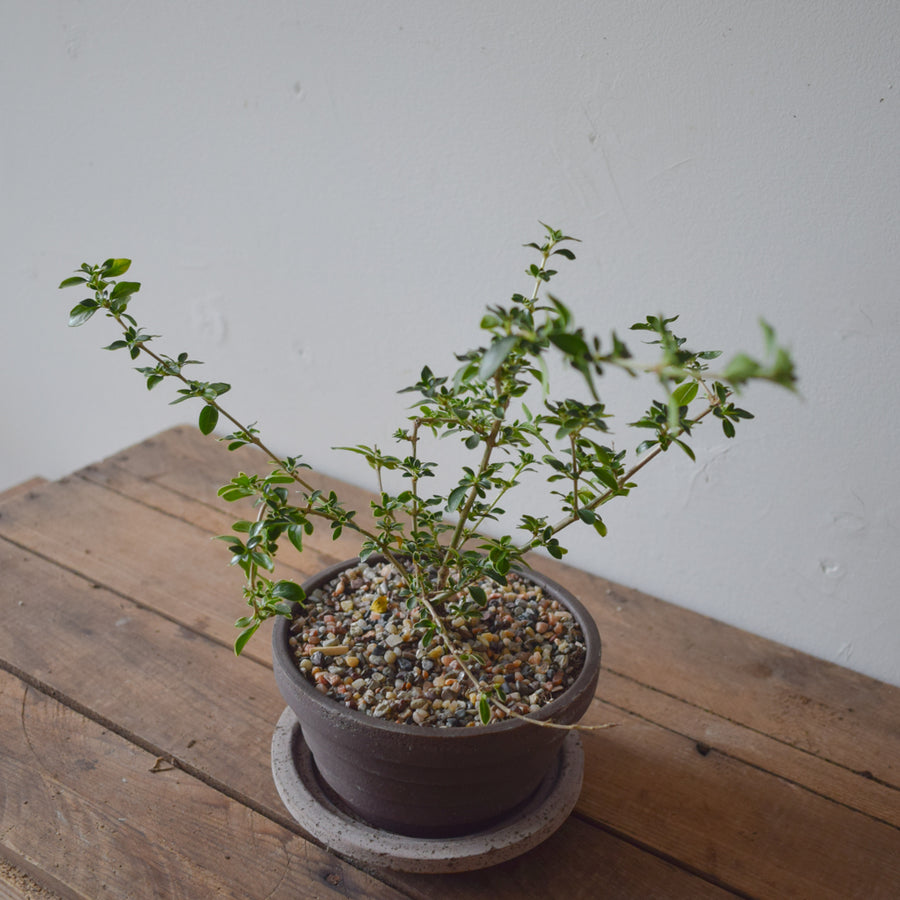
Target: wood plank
[[152, 681], [758, 834], [825, 710], [642, 781], [126, 524], [17, 885], [820, 708], [711, 732], [137, 551], [97, 812], [577, 863], [147, 676], [188, 464], [19, 490]]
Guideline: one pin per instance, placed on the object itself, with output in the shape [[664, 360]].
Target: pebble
[[367, 655]]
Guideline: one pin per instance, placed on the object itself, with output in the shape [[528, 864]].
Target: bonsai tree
[[511, 428]]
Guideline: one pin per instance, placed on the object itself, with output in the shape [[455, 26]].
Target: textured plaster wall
[[320, 197]]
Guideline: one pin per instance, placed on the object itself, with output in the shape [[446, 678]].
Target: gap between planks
[[801, 750], [151, 833], [742, 741], [646, 752], [215, 752], [719, 729], [813, 706]]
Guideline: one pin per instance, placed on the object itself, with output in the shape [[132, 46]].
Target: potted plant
[[437, 679]]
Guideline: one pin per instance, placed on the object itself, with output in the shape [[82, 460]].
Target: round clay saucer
[[306, 800]]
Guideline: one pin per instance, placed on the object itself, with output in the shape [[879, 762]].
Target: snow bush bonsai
[[498, 404]]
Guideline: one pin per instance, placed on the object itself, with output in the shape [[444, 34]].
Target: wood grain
[[822, 709], [746, 828], [18, 885], [710, 732], [741, 767], [154, 686], [18, 490], [105, 819]]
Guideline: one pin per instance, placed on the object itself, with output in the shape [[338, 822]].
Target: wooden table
[[134, 747]]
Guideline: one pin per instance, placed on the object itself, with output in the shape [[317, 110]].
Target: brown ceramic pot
[[430, 781]]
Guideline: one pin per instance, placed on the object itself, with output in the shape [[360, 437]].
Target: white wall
[[320, 197]]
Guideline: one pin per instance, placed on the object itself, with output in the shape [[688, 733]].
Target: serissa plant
[[440, 542]]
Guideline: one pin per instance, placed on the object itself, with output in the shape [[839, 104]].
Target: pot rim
[[328, 706]]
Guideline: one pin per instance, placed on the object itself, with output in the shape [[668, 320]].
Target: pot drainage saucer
[[306, 800]]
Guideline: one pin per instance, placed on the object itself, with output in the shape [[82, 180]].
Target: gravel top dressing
[[361, 647]]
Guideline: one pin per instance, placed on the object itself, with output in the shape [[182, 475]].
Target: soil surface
[[361, 646]]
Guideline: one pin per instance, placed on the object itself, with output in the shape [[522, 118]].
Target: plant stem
[[222, 411], [476, 683], [460, 533], [603, 498], [309, 508]]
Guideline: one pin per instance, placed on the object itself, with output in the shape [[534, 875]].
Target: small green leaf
[[290, 591], [75, 279], [277, 478], [496, 355], [607, 478], [124, 289], [113, 268], [243, 637], [685, 393], [80, 314], [263, 559], [484, 710], [209, 415], [295, 536], [230, 495], [740, 368], [455, 498], [768, 336], [427, 636], [570, 344]]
